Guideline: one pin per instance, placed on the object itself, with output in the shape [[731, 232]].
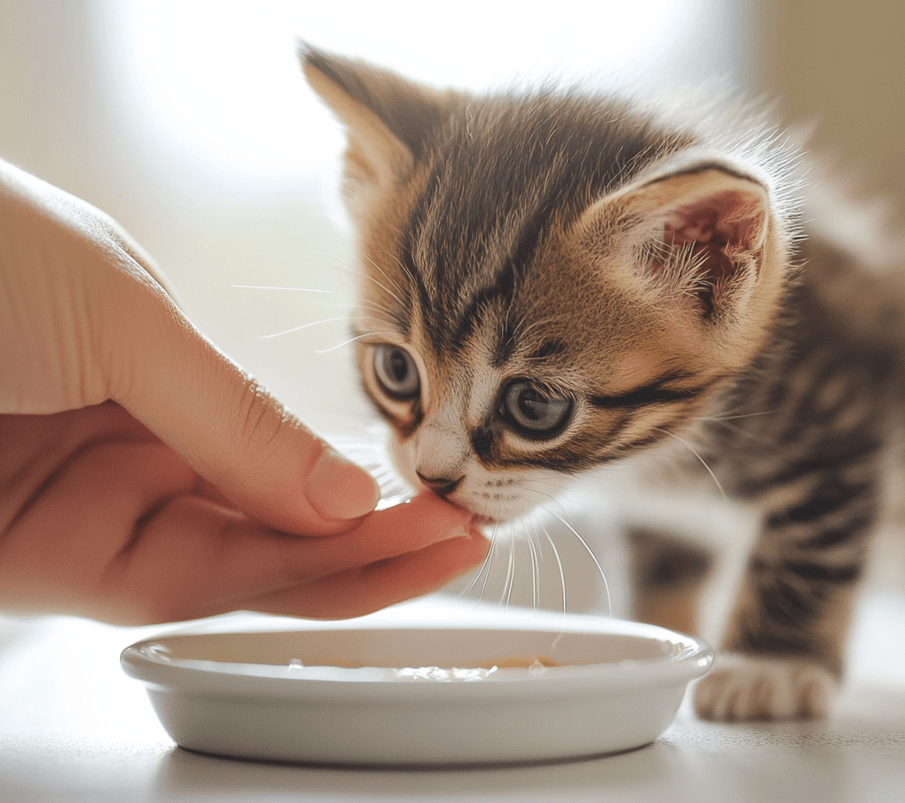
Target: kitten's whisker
[[393, 256], [386, 289], [562, 574], [344, 343], [395, 289], [402, 266], [510, 569], [703, 462], [489, 562], [534, 548], [484, 569], [551, 497], [371, 305], [584, 543], [303, 326]]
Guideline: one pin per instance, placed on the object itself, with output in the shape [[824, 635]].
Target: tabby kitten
[[557, 282]]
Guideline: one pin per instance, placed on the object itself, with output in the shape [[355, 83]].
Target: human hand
[[144, 477]]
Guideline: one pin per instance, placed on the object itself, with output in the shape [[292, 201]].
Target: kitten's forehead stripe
[[408, 249], [468, 319], [505, 343]]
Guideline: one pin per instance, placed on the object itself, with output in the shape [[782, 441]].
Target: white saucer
[[277, 694]]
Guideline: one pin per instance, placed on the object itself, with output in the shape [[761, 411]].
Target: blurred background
[[189, 122]]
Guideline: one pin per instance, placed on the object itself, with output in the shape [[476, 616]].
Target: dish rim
[[691, 658]]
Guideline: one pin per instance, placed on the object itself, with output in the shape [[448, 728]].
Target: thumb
[[224, 424]]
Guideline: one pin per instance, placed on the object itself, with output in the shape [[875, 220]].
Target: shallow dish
[[348, 694]]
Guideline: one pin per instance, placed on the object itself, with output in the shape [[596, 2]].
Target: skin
[[144, 477]]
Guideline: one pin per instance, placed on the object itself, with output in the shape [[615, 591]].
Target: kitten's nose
[[442, 486]]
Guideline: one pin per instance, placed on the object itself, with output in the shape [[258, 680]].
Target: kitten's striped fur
[[554, 282]]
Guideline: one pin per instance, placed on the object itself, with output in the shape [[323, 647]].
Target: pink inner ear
[[718, 230], [728, 221], [698, 228]]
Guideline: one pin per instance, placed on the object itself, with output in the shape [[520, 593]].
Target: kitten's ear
[[698, 236], [388, 121]]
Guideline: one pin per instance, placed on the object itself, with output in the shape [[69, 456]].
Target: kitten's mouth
[[482, 517], [478, 519]]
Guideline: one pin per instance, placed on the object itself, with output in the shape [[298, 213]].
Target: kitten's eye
[[396, 373], [532, 411]]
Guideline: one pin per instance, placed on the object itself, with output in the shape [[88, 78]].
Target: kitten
[[558, 282]]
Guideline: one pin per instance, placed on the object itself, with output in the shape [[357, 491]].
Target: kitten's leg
[[785, 639]]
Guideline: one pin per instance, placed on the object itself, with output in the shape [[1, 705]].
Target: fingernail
[[338, 489], [471, 530], [458, 532]]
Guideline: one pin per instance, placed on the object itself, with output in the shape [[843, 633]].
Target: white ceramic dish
[[245, 694]]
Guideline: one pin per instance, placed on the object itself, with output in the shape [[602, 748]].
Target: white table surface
[[73, 727]]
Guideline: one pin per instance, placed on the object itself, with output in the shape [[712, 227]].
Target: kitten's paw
[[743, 687]]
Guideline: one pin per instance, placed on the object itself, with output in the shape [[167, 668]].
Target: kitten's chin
[[495, 513]]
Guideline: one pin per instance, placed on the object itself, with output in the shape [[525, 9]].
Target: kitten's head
[[549, 282]]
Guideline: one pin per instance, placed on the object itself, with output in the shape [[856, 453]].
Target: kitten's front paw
[[743, 687]]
